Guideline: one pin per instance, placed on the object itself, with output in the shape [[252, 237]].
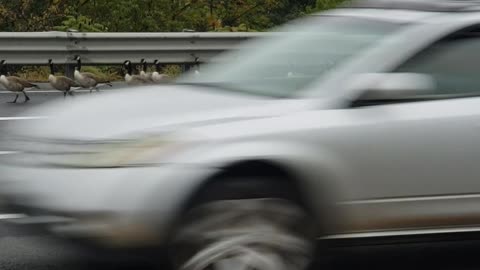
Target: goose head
[[128, 66], [144, 65], [2, 68], [79, 62]]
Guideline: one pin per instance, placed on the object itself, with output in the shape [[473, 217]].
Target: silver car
[[361, 122]]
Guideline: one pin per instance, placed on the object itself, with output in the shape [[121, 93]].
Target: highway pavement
[[45, 94]]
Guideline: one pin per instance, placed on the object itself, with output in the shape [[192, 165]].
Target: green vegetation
[[153, 15], [110, 73], [149, 16]]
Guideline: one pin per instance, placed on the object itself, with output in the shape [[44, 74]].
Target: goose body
[[11, 83], [157, 76], [135, 79], [15, 84], [61, 83], [130, 78], [87, 79], [147, 76]]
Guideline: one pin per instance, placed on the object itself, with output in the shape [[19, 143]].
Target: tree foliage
[[152, 15]]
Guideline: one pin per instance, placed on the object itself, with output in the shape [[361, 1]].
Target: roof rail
[[420, 5]]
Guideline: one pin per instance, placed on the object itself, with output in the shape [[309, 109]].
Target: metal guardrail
[[35, 48]]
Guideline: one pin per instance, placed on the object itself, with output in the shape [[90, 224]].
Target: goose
[[87, 79], [158, 77], [15, 84], [146, 75], [130, 78], [196, 72], [61, 83]]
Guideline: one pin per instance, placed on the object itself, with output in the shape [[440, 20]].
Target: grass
[[108, 73], [33, 74]]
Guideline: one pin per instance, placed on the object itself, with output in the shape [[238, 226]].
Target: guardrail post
[[186, 67], [69, 70]]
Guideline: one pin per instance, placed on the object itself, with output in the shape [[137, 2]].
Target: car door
[[417, 164]]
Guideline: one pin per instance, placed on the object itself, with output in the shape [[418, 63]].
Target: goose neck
[[79, 64], [51, 69]]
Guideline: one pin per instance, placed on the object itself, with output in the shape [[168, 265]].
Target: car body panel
[[346, 156]]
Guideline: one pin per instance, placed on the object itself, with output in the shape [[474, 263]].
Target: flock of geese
[[81, 79], [144, 77]]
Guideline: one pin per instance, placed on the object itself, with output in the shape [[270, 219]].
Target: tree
[[328, 4], [153, 15], [80, 23]]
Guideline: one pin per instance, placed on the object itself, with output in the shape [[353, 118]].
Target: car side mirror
[[374, 88]]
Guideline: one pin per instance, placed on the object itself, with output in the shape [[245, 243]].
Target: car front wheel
[[245, 234]]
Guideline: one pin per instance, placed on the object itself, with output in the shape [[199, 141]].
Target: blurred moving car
[[358, 123]]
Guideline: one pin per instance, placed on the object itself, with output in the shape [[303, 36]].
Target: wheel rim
[[251, 234]]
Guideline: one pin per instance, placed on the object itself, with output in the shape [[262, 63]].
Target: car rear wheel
[[268, 233]]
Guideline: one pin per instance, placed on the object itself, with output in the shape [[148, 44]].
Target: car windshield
[[284, 64]]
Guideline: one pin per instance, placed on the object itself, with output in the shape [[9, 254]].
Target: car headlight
[[138, 151]]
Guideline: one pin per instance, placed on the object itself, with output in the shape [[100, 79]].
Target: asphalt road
[[41, 96], [20, 250]]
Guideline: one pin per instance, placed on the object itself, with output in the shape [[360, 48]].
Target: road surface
[[32, 251]]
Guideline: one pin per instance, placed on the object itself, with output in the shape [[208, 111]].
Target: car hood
[[112, 114]]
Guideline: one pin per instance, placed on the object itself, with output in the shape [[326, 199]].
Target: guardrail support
[[69, 70]]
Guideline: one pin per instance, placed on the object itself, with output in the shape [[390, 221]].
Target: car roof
[[419, 5], [394, 15], [408, 11]]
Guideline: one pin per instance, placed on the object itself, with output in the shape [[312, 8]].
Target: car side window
[[454, 63]]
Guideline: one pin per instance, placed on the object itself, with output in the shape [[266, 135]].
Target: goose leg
[[71, 93], [64, 94], [91, 89], [26, 97], [15, 100]]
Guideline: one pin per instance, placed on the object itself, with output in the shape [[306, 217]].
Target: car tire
[[260, 231]]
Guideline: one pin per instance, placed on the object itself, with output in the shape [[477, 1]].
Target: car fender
[[318, 174]]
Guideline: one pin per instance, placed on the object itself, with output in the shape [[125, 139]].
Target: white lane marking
[[55, 91], [38, 91], [402, 233], [11, 216], [412, 199], [7, 152], [12, 118], [25, 220]]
